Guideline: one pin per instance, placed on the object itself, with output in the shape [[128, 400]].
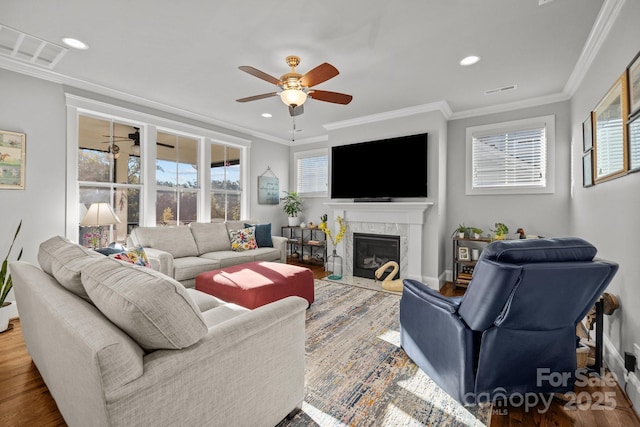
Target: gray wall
[[539, 214], [607, 213]]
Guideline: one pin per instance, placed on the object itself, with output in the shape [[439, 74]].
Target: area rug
[[356, 372]]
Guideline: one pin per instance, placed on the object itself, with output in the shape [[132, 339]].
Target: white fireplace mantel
[[408, 216]]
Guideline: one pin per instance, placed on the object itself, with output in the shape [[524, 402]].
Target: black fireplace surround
[[371, 251]]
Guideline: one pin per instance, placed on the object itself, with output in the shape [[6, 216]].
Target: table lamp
[[99, 214]]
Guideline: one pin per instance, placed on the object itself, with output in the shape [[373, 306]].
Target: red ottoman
[[257, 283]]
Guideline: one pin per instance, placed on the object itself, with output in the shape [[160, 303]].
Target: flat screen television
[[381, 169]]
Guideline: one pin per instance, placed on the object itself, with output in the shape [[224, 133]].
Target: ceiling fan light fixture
[[293, 97], [469, 60]]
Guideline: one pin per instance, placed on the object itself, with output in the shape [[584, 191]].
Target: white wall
[[607, 213]]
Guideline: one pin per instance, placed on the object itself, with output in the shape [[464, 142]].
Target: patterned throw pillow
[[135, 256], [243, 239]]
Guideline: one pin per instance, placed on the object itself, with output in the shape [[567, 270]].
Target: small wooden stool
[[254, 284]]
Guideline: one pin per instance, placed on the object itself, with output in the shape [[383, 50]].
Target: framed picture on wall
[[633, 133], [587, 169], [268, 190], [609, 140], [12, 160], [587, 134], [633, 73]]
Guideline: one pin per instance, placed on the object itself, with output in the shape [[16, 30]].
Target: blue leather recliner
[[514, 330]]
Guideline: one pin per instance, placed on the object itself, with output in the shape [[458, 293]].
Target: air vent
[[500, 89], [27, 48]]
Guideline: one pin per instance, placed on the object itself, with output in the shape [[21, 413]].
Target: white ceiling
[[392, 56]]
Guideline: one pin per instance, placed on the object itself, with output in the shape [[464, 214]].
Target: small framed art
[[12, 160], [633, 73], [464, 254], [633, 132], [587, 169], [587, 134]]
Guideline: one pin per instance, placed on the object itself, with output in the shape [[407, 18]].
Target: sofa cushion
[[63, 260], [227, 258], [152, 308], [176, 240], [243, 239], [210, 237], [263, 235]]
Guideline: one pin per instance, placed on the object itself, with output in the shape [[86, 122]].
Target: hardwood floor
[[26, 401]]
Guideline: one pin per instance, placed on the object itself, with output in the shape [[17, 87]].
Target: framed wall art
[[12, 160], [633, 133], [268, 189], [587, 169], [609, 139], [633, 74], [587, 134]]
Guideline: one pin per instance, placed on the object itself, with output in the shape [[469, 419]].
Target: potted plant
[[477, 232], [292, 206], [500, 231], [6, 284], [461, 231]]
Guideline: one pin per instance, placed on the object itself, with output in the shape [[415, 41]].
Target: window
[[108, 171], [151, 170], [312, 173], [511, 157], [176, 179], [226, 190]]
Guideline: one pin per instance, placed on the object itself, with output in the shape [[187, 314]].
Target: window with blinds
[[509, 158], [312, 172]]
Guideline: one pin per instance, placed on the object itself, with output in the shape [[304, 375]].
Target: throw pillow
[[263, 235], [135, 256], [243, 239], [154, 309]]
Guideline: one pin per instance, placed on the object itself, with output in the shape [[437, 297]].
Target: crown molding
[[54, 77], [605, 20], [532, 102], [441, 106]]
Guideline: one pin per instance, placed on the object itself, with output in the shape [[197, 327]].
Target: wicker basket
[[582, 355]]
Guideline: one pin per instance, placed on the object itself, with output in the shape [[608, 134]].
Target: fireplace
[[371, 251]]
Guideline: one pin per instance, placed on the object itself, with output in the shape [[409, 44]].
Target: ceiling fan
[[296, 87], [135, 137]]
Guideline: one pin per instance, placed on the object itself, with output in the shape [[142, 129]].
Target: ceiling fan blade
[[256, 97], [321, 73], [296, 111], [335, 97], [259, 74]]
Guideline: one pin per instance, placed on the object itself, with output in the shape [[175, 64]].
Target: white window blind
[[515, 157], [507, 159], [312, 172]]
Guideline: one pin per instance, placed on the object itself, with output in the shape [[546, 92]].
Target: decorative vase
[[294, 221], [334, 264]]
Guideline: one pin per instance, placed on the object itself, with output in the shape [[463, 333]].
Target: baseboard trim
[[615, 363]]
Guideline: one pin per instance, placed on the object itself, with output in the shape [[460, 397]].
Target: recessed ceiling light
[[469, 60], [266, 115], [75, 43]]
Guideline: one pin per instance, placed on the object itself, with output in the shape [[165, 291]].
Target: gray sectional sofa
[[183, 252], [119, 344]]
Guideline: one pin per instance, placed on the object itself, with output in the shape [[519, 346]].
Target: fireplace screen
[[371, 251]]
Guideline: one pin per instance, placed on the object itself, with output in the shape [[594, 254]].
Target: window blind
[[312, 173], [514, 158]]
